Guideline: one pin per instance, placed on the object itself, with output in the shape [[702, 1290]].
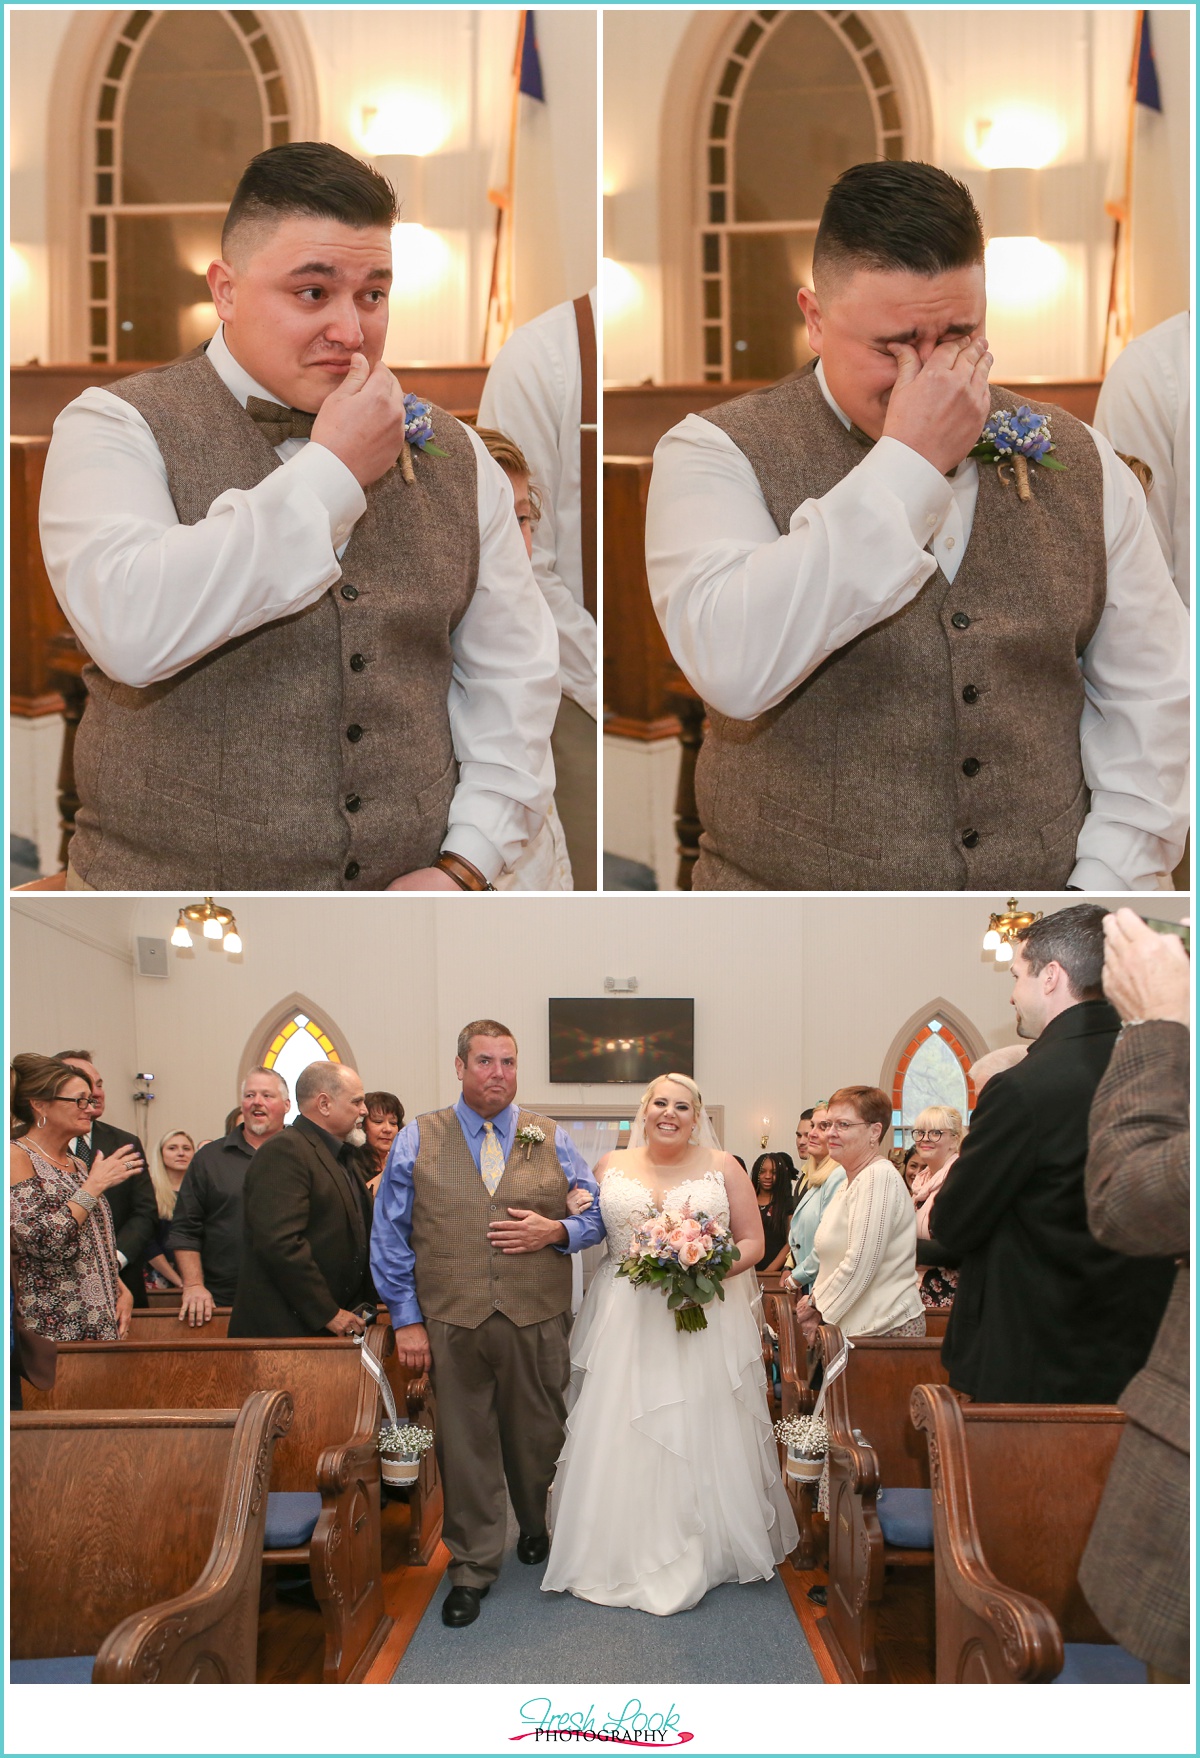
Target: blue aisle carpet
[[736, 1635]]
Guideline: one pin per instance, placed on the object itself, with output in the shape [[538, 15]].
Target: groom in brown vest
[[921, 671], [320, 658], [470, 1250]]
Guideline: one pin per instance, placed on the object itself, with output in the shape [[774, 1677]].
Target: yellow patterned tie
[[491, 1160]]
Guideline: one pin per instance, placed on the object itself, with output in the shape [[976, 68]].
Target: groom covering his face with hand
[[470, 1251], [319, 658], [917, 676]]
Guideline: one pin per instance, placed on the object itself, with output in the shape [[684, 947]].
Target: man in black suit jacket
[[1044, 1314], [133, 1204], [306, 1253]]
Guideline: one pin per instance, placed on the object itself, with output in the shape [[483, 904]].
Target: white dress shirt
[[533, 395], [148, 596], [1145, 409], [749, 613]]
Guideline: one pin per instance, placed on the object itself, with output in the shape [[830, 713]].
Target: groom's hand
[[362, 420], [939, 409], [412, 1348], [527, 1231]]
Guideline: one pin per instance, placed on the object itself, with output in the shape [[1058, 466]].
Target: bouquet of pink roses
[[687, 1255]]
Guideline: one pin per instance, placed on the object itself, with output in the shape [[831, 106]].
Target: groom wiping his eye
[[470, 1251], [319, 657]]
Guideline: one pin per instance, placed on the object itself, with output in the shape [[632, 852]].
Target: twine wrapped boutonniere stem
[[1013, 440], [418, 431], [529, 1135]]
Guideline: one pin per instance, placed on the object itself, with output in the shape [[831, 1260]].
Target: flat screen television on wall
[[626, 1039]]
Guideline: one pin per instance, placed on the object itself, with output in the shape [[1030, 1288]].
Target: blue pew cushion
[[62, 1669], [291, 1516], [1100, 1663], [906, 1518]]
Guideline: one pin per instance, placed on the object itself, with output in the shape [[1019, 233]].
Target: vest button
[[961, 620], [972, 766], [353, 870], [970, 838], [353, 802], [355, 732], [357, 662], [350, 593], [497, 1302], [970, 694]]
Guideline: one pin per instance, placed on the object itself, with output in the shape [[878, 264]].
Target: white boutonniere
[[529, 1135]]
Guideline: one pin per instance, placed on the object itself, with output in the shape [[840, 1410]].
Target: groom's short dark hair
[[309, 177], [898, 214], [481, 1028]]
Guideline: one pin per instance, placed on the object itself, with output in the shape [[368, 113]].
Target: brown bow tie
[[278, 422]]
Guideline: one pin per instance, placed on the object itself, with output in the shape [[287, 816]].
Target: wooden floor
[[904, 1639]]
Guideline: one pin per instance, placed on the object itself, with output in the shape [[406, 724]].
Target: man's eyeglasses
[[928, 1134]]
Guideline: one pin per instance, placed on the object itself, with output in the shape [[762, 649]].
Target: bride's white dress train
[[668, 1482]]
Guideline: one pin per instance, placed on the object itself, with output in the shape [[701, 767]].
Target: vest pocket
[[1060, 837], [434, 801]]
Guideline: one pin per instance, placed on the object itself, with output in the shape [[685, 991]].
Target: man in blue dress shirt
[[471, 1249]]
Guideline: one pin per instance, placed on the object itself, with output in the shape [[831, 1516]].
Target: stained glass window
[[298, 1042], [932, 1070]]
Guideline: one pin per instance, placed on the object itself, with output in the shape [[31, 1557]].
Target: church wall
[[793, 996]]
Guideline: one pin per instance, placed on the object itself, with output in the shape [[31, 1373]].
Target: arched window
[[294, 1034], [929, 1064], [800, 96], [185, 100]]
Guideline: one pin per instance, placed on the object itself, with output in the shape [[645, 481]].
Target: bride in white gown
[[668, 1482]]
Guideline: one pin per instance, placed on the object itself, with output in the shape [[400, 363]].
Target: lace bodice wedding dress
[[668, 1482]]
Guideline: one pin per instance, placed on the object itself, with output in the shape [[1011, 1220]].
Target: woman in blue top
[[820, 1182]]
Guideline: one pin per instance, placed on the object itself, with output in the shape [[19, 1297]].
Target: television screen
[[627, 1038]]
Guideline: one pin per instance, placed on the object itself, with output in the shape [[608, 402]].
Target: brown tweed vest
[[461, 1279], [314, 754], [940, 749]]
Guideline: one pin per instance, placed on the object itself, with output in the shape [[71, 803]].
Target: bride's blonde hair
[[681, 1080]]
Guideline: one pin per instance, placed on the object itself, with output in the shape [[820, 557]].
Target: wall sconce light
[[214, 921], [765, 1137], [406, 174], [1004, 927], [1012, 202]]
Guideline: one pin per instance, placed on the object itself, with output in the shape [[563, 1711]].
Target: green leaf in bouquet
[[705, 1286], [676, 1299]]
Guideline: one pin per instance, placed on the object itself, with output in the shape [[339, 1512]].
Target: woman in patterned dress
[[63, 1246]]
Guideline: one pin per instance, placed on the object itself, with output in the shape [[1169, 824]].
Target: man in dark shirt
[[206, 1228], [306, 1248], [132, 1203], [1044, 1314]]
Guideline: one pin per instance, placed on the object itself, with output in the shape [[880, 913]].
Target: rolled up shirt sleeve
[[1134, 733], [393, 1266], [588, 1228], [504, 691], [147, 596], [747, 612]]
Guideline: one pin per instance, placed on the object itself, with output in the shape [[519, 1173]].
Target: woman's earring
[[695, 1135], [41, 1123]]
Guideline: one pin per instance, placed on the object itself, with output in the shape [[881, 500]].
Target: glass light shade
[[1004, 956], [180, 936], [233, 941], [212, 929], [991, 941]]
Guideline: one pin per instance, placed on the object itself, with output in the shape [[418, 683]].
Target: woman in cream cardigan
[[866, 1243]]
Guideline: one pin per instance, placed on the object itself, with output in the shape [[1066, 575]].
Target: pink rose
[[691, 1252]]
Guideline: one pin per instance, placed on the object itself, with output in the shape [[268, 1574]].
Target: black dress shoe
[[533, 1550], [818, 1595], [461, 1606]]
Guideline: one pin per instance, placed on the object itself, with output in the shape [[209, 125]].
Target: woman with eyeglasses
[[866, 1243], [63, 1246], [937, 1136]]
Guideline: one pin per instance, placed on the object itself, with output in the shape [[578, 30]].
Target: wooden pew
[[415, 1403], [936, 1320], [137, 1539], [331, 1450], [873, 1446], [157, 1324], [1016, 1488], [796, 1398]]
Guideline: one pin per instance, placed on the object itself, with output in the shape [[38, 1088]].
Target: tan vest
[[940, 749], [315, 753], [461, 1279]]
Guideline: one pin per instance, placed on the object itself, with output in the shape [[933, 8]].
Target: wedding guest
[[1145, 409], [207, 1225], [1135, 1572], [813, 547], [534, 392], [995, 1062], [937, 1136], [172, 1158], [250, 525], [381, 1126], [771, 1177], [131, 1202], [822, 1178], [908, 1169], [1044, 1313], [63, 1243], [543, 864], [866, 1243]]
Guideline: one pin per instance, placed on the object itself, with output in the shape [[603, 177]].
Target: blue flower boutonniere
[[1012, 440], [418, 431]]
